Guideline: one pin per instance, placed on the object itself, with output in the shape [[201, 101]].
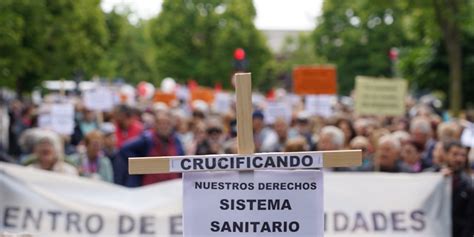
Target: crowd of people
[[422, 140]]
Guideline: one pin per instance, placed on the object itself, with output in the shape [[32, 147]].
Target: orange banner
[[164, 97], [314, 80], [203, 93]]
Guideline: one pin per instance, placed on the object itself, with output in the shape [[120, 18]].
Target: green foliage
[[44, 39], [356, 36], [296, 50], [130, 51], [196, 40], [425, 63]]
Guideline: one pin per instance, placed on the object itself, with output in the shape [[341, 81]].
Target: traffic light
[[240, 62]]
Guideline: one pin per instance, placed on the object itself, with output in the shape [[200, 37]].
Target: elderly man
[[387, 157], [462, 189], [422, 133], [160, 141], [276, 142], [330, 138]]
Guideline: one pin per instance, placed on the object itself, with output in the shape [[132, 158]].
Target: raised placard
[[309, 80], [277, 110], [262, 203], [99, 99], [377, 96]]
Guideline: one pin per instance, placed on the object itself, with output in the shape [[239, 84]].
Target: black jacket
[[462, 205]]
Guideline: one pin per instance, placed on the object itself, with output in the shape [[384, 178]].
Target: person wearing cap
[[304, 128], [260, 131], [213, 139], [110, 148]]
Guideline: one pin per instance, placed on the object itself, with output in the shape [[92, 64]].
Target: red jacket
[[135, 129]]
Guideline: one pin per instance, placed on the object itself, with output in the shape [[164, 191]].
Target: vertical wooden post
[[243, 85]]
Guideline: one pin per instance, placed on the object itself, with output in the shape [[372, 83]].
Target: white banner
[[356, 204]]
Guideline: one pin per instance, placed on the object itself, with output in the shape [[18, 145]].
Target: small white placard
[[99, 99], [275, 110], [260, 203], [222, 102], [62, 118], [319, 105]]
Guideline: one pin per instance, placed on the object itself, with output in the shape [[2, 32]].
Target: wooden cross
[[246, 159], [261, 202]]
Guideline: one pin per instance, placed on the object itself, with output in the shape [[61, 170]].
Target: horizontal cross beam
[[245, 162]]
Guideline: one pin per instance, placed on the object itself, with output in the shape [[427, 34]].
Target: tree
[[130, 52], [296, 50], [432, 35], [356, 36], [46, 39], [196, 40], [450, 23]]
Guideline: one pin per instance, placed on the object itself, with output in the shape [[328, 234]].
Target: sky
[[271, 14]]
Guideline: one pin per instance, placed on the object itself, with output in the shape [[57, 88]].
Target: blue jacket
[[137, 147]]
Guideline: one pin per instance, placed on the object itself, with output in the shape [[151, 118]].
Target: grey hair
[[51, 137], [401, 135], [421, 124], [389, 138], [337, 135]]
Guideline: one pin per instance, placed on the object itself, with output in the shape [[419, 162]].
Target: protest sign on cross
[[249, 194]]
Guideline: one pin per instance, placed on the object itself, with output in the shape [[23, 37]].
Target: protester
[[362, 143], [411, 156], [421, 132], [349, 133], [296, 144], [85, 122], [47, 154], [462, 188], [330, 138], [92, 162], [387, 157], [160, 141], [126, 125], [414, 143], [260, 131], [276, 141]]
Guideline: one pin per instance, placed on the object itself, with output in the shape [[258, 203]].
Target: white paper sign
[[262, 203], [258, 100], [62, 118], [319, 105], [273, 160], [99, 99], [275, 110], [222, 102]]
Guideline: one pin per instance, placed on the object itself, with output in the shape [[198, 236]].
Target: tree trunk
[[447, 12], [453, 46]]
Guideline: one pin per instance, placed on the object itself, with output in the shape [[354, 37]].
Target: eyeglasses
[[214, 131]]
